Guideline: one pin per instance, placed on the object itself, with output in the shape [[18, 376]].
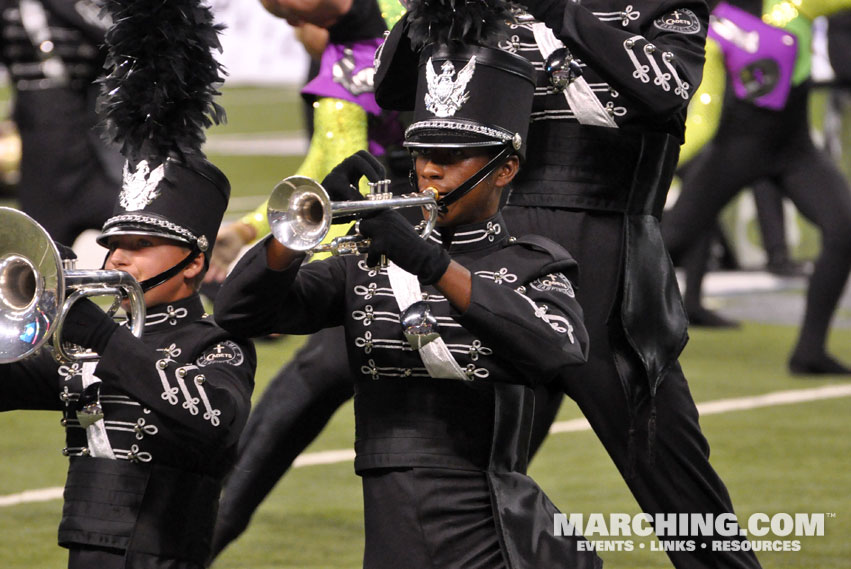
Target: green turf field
[[789, 458]]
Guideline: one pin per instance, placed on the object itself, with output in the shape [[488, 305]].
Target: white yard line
[[736, 404], [267, 144], [709, 408]]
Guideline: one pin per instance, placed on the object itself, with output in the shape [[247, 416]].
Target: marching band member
[[152, 426], [442, 408]]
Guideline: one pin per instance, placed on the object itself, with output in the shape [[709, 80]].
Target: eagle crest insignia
[[446, 91], [139, 187]]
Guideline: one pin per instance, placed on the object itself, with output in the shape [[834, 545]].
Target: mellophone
[[37, 289]]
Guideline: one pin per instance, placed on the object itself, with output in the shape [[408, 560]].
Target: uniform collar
[[475, 237], [170, 314]]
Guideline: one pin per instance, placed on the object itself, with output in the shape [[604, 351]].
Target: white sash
[[583, 102], [437, 358], [96, 434]]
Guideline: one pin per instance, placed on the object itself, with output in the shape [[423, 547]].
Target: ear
[[507, 171], [194, 268]]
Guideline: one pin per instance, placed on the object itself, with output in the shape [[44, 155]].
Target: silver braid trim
[[167, 225], [501, 135]]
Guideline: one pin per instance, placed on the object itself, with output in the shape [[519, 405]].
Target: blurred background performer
[[441, 427], [344, 36], [53, 50], [765, 114], [152, 426]]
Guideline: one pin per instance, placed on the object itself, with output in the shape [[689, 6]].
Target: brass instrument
[[300, 214], [34, 283]]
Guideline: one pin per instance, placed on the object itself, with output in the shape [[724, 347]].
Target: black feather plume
[[462, 21], [158, 96]]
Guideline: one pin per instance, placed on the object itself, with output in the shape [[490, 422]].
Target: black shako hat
[[156, 101], [471, 96], [179, 199]]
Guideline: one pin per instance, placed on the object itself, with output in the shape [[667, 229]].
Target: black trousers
[[69, 177], [656, 443], [87, 557], [422, 518]]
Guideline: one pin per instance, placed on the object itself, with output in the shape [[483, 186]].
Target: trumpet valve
[[379, 190]]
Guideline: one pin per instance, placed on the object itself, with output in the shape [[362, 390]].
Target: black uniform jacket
[[606, 139], [523, 325], [146, 477], [640, 62]]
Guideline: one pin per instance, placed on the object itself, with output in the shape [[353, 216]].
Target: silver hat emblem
[[139, 188], [445, 95]]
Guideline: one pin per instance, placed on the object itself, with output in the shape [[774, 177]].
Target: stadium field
[[779, 442]]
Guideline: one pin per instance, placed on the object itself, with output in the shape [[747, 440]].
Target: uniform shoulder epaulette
[[544, 245]]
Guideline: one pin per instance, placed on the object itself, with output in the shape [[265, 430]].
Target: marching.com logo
[[687, 532]]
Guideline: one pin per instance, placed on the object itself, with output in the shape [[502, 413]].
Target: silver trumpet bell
[[33, 287], [300, 214]]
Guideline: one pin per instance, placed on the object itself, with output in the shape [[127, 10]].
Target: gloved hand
[[88, 326], [342, 181], [550, 12], [65, 252], [393, 235]]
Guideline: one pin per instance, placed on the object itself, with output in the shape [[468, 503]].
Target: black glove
[[550, 12], [88, 326], [342, 182], [65, 252], [393, 235]]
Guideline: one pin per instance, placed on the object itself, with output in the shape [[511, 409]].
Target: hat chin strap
[[474, 180], [159, 279]]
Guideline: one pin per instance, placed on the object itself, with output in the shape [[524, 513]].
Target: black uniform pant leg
[[772, 225], [822, 195], [87, 557], [67, 183], [293, 410], [429, 518], [656, 444]]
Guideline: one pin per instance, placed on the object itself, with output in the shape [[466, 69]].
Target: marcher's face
[[146, 256], [447, 168]]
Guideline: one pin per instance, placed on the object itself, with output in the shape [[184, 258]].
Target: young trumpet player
[[152, 425], [446, 341]]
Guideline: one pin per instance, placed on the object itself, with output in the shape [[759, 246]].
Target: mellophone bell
[[37, 290]]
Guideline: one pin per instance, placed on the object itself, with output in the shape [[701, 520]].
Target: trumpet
[[300, 214], [37, 290]]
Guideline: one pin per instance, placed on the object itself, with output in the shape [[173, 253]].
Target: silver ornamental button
[[89, 409], [561, 69], [419, 325]]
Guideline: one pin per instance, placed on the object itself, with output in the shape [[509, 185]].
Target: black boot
[[819, 365]]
